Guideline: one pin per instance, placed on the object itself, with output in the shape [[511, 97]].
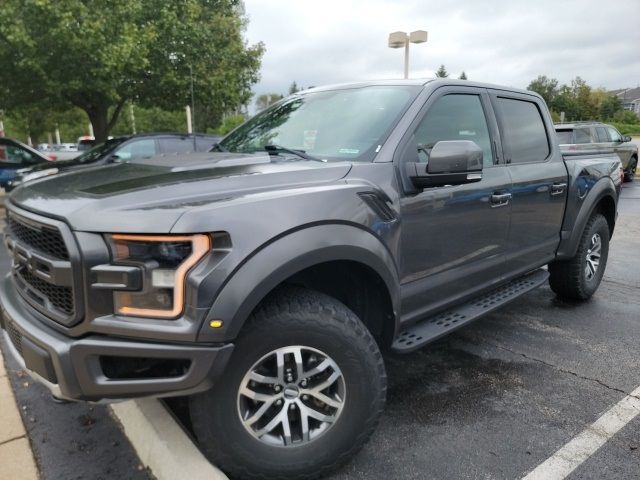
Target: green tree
[[229, 123], [98, 55], [546, 87], [463, 76], [266, 99], [587, 108], [609, 106], [626, 116], [442, 72], [293, 88]]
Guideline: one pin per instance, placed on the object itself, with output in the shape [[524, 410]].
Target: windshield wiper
[[276, 149]]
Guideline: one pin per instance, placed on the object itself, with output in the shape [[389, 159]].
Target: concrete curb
[[161, 443]]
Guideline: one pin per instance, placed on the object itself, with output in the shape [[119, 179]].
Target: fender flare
[[287, 255], [570, 239]]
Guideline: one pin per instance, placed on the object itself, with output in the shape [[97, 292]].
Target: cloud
[[506, 42]]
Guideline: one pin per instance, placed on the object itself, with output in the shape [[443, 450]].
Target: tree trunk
[[102, 124], [98, 118]]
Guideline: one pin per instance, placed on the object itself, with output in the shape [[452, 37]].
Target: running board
[[430, 329]]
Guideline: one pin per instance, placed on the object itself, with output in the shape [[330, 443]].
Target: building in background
[[629, 98]]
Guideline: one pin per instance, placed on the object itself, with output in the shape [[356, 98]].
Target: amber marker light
[[173, 279]]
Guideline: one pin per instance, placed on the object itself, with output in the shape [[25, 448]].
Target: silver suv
[[596, 136]]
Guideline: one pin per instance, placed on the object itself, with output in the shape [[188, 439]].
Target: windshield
[[347, 124]]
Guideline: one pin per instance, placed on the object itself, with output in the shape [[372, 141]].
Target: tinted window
[[614, 135], [454, 117], [137, 149], [204, 144], [564, 136], [583, 135], [176, 145], [523, 131], [601, 135]]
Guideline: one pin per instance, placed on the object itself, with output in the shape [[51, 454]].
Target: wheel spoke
[[256, 377], [318, 415], [280, 365], [323, 398], [259, 397], [297, 355], [321, 367], [327, 383], [286, 427], [259, 413]]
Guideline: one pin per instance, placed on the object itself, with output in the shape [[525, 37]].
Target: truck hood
[[149, 196]]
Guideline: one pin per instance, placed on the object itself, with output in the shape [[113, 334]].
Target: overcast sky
[[507, 42]]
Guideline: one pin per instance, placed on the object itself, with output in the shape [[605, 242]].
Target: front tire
[[579, 277], [302, 393]]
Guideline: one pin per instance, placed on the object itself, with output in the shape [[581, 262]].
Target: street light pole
[[403, 39]]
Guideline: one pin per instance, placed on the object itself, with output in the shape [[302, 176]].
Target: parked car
[[264, 278], [121, 149], [590, 136], [65, 147], [15, 155], [85, 143]]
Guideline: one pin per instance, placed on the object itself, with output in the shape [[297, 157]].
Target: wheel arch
[[343, 261], [601, 199]]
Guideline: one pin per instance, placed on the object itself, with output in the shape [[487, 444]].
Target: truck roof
[[435, 82]]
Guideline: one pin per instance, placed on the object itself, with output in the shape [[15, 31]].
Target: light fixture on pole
[[403, 39]]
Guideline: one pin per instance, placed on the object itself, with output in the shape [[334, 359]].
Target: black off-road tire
[[294, 316], [568, 278], [630, 174]]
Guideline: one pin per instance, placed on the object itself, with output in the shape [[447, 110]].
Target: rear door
[[453, 237], [538, 177]]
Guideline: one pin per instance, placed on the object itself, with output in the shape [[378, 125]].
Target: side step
[[430, 329]]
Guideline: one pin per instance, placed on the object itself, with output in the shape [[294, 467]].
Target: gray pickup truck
[[263, 280]]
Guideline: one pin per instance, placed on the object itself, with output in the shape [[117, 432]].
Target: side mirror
[[451, 162], [626, 138], [115, 158]]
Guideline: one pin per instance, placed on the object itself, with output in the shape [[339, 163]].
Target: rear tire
[[579, 277], [630, 174], [294, 326]]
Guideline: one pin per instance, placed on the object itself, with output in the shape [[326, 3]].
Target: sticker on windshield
[[351, 151], [309, 142]]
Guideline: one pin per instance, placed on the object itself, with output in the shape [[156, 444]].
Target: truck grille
[[46, 240], [59, 297], [43, 253]]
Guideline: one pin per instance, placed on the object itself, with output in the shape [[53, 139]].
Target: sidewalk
[[16, 458]]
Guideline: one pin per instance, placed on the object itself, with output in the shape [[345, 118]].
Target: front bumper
[[74, 368]]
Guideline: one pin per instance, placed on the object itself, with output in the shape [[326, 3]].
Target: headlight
[[165, 261]]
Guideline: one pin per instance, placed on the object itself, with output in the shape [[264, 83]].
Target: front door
[[453, 237]]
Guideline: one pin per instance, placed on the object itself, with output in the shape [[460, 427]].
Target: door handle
[[558, 188], [500, 199]]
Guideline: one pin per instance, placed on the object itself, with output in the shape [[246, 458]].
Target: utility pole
[[193, 108], [57, 134]]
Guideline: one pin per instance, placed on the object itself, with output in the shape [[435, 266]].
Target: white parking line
[[583, 446]]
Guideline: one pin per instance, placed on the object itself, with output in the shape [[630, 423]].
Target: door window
[[583, 135], [601, 134], [524, 133], [14, 155], [137, 149], [614, 135], [454, 117]]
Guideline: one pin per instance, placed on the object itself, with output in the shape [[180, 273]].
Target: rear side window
[[564, 136], [524, 133], [614, 135]]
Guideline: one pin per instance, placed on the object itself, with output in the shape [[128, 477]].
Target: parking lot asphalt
[[492, 401]]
